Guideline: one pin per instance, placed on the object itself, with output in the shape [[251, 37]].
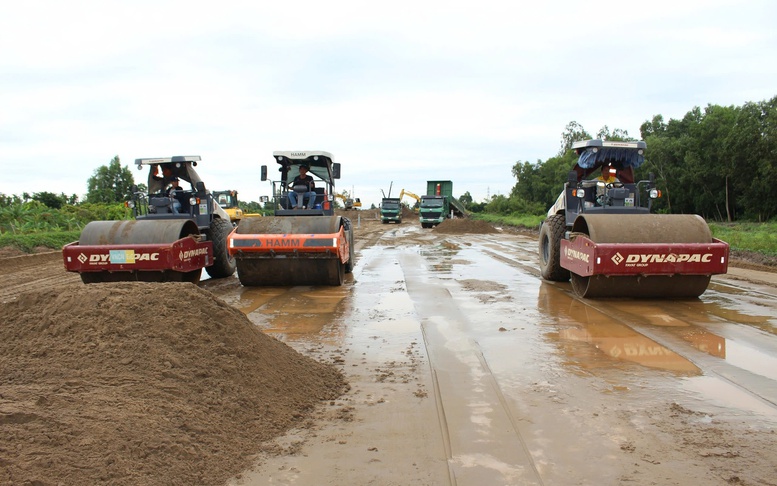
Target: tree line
[[717, 162]]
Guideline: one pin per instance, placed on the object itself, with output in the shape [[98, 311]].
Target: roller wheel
[[223, 262], [336, 271], [550, 249]]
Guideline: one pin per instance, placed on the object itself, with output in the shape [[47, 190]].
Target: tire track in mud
[[484, 444]]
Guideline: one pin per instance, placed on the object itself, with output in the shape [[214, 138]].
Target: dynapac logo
[[645, 258], [118, 257], [185, 255], [576, 255]]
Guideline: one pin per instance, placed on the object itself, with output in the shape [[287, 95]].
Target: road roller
[[601, 234], [304, 242], [176, 232]]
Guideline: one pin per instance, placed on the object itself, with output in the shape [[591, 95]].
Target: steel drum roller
[[136, 232], [103, 233], [652, 228], [289, 268]]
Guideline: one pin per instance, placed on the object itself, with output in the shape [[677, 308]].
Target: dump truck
[[390, 210], [438, 204], [601, 233], [173, 235], [310, 246]]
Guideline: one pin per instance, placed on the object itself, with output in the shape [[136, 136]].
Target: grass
[[755, 237], [519, 220], [752, 237]]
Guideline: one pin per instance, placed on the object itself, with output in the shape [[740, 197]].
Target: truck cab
[[390, 210]]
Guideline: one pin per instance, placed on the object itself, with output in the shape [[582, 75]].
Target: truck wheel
[[223, 262], [550, 249]]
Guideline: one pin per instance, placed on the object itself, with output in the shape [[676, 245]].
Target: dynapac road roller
[[602, 235], [175, 234], [298, 246]]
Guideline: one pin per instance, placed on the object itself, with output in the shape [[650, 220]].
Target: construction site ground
[[444, 359]]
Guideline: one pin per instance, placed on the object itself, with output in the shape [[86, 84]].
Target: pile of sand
[[139, 384], [460, 226]]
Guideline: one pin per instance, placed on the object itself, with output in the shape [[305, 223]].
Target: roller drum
[[138, 232], [652, 228], [292, 268]]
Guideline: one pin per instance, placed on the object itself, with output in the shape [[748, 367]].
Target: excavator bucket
[[292, 250], [145, 250]]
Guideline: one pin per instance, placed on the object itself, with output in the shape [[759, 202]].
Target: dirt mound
[[408, 213], [460, 226], [140, 384]]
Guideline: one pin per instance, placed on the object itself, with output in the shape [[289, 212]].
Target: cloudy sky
[[399, 92]]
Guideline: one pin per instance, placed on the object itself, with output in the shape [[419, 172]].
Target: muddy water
[[467, 369]]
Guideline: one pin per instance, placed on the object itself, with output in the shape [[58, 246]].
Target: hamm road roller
[[177, 231], [601, 233], [303, 243]]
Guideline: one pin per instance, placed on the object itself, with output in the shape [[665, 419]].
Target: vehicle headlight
[[580, 193], [131, 204], [192, 201], [655, 194]]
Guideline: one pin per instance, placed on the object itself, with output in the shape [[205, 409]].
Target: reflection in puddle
[[294, 312], [612, 338], [726, 395]]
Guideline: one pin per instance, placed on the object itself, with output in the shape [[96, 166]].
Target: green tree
[[573, 132], [110, 183], [50, 199], [466, 199]]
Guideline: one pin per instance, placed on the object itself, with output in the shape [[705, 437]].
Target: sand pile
[[140, 384], [459, 226]]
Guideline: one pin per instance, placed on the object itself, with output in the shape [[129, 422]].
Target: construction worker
[[608, 175], [303, 179]]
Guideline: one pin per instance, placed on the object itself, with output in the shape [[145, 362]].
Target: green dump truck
[[390, 210], [439, 204]]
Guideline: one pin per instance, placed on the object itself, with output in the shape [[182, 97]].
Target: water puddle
[[580, 323], [725, 395]]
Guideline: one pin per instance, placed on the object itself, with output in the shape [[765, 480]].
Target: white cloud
[[403, 91]]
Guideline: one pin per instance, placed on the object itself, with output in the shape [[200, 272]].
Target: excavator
[[347, 201], [417, 198]]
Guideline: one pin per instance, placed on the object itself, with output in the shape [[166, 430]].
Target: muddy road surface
[[465, 368]]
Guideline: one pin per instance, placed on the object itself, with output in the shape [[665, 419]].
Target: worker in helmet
[[303, 189]]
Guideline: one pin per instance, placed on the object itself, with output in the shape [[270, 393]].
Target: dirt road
[[465, 368]]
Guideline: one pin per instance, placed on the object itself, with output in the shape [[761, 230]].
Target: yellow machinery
[[417, 198], [347, 201], [229, 202]]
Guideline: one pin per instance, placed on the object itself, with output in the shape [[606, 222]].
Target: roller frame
[[184, 255], [327, 245], [584, 257]]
